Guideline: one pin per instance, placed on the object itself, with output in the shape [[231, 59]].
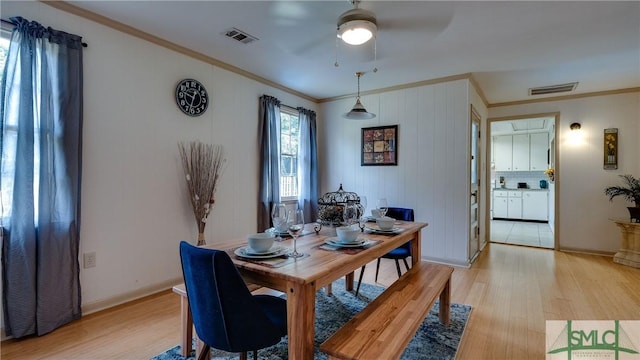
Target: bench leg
[[328, 288], [445, 303]]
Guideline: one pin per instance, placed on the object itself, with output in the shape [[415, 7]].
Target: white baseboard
[[587, 251], [95, 306], [463, 264], [100, 305]]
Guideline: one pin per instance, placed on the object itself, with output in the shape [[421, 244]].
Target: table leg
[[348, 281], [416, 248], [445, 303], [186, 327], [301, 299]]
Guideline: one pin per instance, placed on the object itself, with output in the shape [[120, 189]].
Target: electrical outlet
[[89, 259]]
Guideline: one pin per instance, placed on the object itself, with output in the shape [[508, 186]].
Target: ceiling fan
[[381, 21], [357, 26]]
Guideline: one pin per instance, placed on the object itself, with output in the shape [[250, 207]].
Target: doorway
[[522, 197]]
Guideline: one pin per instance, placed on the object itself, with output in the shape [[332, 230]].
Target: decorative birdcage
[[331, 206]]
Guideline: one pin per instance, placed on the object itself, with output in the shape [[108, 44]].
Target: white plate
[[395, 230], [274, 249], [246, 252], [334, 241]]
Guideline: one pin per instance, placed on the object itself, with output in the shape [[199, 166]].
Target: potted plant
[[630, 192]]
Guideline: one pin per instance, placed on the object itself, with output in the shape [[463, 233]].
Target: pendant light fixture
[[359, 112]]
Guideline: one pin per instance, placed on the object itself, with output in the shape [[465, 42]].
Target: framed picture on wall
[[610, 149], [379, 146]]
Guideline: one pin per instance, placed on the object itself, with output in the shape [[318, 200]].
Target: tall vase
[[201, 239]]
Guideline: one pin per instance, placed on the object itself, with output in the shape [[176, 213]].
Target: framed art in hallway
[[379, 146], [610, 149]]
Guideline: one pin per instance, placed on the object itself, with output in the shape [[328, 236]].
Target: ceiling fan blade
[[322, 43]]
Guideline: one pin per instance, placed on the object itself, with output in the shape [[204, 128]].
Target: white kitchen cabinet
[[535, 205], [514, 209], [520, 150], [507, 204], [500, 204], [523, 152], [538, 147], [502, 153]]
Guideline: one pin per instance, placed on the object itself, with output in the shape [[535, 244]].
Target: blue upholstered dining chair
[[225, 314], [401, 252]]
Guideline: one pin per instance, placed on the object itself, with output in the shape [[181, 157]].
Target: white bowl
[[347, 234], [385, 223], [261, 242], [376, 213]]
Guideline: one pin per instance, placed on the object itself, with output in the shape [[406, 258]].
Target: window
[[9, 138], [9, 146], [289, 140]]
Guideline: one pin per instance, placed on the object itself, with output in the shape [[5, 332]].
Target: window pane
[[289, 135]]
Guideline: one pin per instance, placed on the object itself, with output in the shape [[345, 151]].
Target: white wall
[[433, 170], [134, 204], [584, 211]]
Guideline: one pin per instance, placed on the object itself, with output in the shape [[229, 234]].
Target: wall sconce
[[575, 135]]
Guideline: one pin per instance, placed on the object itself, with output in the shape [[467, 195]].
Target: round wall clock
[[192, 97]]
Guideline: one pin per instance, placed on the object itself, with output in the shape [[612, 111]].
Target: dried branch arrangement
[[203, 165]]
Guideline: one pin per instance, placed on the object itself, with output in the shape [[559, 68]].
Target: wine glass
[[363, 206], [382, 206], [295, 221], [350, 213], [363, 212], [279, 219]]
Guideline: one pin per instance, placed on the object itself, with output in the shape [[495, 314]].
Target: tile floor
[[522, 233]]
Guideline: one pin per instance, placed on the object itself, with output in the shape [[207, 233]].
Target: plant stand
[[629, 253]]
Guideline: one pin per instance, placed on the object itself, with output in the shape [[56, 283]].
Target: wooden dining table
[[300, 278]]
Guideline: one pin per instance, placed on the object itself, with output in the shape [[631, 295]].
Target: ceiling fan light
[[357, 32], [358, 112]]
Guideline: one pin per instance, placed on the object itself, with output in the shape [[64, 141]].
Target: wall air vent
[[544, 90], [240, 36]]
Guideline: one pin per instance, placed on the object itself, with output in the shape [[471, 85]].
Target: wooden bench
[[383, 328]]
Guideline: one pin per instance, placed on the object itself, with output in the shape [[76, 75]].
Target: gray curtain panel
[[308, 165], [41, 169], [269, 135]]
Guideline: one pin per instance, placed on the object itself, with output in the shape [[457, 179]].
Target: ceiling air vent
[[240, 36], [544, 90]]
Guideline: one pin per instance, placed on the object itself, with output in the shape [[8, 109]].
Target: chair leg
[[398, 268], [360, 280], [377, 269], [405, 263], [205, 353], [243, 355], [255, 354]]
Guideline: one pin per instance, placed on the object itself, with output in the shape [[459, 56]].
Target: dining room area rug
[[432, 340]]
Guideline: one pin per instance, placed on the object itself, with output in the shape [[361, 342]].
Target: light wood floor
[[512, 289]]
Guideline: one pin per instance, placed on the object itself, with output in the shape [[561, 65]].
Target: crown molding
[[103, 20], [567, 97]]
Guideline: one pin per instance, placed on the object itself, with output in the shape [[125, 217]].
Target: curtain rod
[[84, 44]]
